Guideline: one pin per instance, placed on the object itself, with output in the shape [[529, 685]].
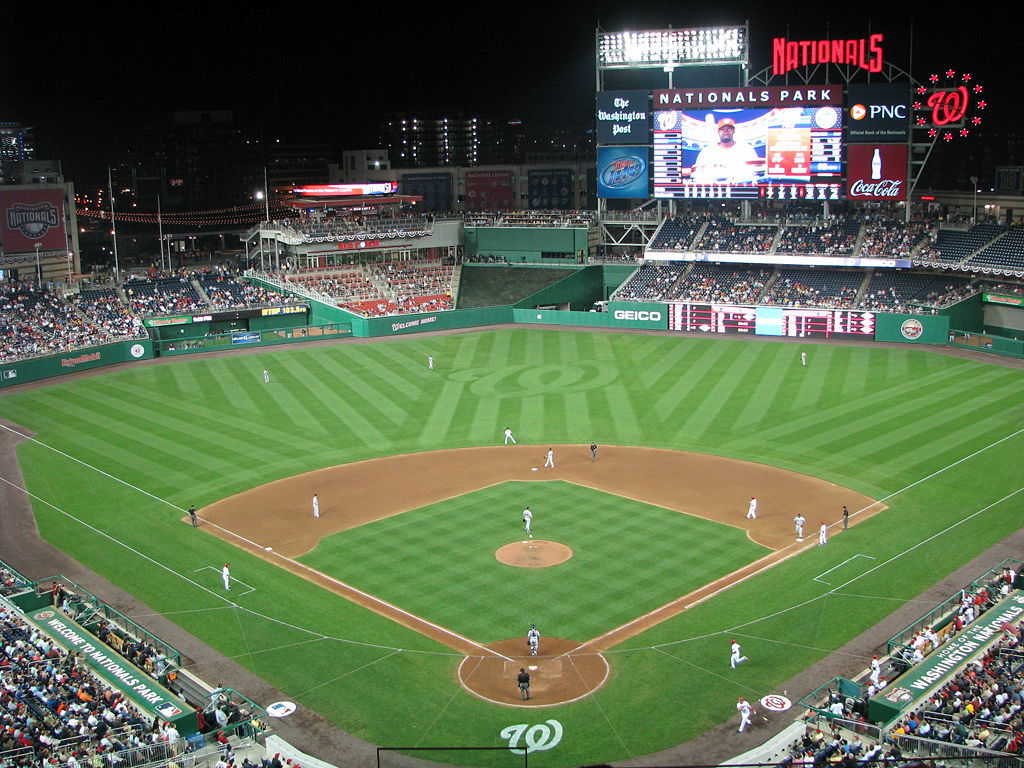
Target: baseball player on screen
[[728, 161]]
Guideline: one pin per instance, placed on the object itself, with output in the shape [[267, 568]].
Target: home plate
[[533, 469]]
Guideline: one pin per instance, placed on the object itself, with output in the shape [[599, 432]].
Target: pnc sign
[[865, 53]]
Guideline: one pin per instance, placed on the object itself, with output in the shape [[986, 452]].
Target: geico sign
[[636, 314]]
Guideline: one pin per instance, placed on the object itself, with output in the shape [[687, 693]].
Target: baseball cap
[[726, 121]]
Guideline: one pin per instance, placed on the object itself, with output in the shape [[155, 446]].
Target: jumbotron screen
[[798, 322], [785, 153]]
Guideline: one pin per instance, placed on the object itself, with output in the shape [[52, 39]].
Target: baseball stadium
[[771, 443]]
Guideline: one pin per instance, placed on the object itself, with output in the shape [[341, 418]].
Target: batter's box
[[821, 580]]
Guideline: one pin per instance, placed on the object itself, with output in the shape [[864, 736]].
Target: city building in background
[[16, 147]]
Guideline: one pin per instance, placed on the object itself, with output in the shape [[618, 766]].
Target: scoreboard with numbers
[[797, 322]]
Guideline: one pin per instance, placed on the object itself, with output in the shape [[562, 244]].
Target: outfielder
[[550, 460], [508, 436], [430, 362], [266, 376], [527, 519], [752, 509]]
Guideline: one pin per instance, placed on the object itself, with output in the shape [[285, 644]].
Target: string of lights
[[191, 218]]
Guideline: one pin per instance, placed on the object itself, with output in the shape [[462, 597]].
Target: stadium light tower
[[667, 49]]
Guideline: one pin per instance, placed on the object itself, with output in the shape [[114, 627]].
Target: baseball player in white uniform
[[823, 534], [527, 518], [550, 460], [803, 359], [508, 436], [735, 657], [798, 522], [744, 708], [266, 376], [316, 506], [752, 509], [225, 573], [533, 639], [876, 670]]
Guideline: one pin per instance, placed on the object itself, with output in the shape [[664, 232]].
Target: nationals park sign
[[144, 691]]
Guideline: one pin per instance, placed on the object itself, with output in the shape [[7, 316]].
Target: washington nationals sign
[[536, 738]]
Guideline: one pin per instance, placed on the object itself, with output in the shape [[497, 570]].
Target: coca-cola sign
[[876, 172]]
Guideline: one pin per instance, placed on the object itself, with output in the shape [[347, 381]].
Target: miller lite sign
[[876, 172]]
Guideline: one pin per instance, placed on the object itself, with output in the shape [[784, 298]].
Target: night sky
[[84, 82]]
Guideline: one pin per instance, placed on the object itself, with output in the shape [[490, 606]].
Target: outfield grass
[[937, 437], [629, 558]]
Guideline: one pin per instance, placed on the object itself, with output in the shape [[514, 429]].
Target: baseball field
[[400, 613]]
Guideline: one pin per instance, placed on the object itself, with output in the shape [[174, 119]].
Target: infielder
[[266, 376], [316, 506], [533, 640], [735, 658], [744, 708], [225, 573], [527, 518], [799, 521], [508, 436], [752, 509], [593, 451], [823, 534], [550, 460]]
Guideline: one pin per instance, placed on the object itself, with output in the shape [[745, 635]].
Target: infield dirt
[[275, 521]]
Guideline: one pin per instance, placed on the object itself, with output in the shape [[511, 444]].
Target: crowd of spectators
[[56, 713], [726, 284], [807, 288], [722, 235], [36, 322], [359, 227], [832, 239], [649, 283], [895, 239], [164, 295]]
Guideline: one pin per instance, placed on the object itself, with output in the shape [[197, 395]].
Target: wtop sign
[[622, 117], [878, 113]]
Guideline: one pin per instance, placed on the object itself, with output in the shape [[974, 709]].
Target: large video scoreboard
[[766, 142], [798, 322]]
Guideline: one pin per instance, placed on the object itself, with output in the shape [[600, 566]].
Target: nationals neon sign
[[949, 107], [791, 54]]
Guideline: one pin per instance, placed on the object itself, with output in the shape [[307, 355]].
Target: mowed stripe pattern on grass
[[439, 562]]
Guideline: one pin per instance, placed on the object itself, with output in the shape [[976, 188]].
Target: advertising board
[[551, 189], [623, 172], [876, 172], [30, 217], [798, 322], [489, 190], [878, 113], [623, 117]]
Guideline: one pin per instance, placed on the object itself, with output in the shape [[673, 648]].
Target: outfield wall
[[24, 371]]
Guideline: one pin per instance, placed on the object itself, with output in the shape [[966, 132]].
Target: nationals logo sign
[[31, 216], [877, 171]]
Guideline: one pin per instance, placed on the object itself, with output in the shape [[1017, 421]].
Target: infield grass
[[938, 438]]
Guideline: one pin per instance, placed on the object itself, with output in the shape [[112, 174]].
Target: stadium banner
[[434, 188], [145, 692], [38, 368], [489, 190], [551, 189], [878, 113], [915, 329], [623, 117], [876, 172], [30, 217], [623, 172], [395, 325], [1002, 298]]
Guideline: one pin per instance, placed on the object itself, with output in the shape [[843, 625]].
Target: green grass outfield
[[121, 455]]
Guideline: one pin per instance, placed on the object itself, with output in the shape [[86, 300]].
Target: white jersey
[[717, 164]]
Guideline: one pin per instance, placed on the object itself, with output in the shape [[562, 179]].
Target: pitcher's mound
[[533, 553], [557, 675]]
